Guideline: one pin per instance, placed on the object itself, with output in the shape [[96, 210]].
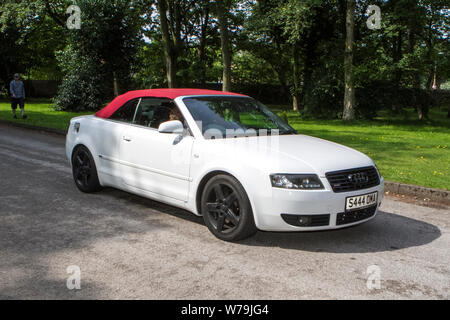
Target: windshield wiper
[[288, 132]]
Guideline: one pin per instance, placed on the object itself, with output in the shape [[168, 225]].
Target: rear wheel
[[84, 170], [226, 209]]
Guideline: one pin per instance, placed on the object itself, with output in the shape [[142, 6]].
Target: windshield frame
[[197, 131]]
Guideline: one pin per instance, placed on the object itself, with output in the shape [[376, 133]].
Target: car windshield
[[234, 116]]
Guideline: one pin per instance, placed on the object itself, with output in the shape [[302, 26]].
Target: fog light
[[304, 221], [316, 220]]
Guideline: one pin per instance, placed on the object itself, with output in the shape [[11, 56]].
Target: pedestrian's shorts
[[17, 101]]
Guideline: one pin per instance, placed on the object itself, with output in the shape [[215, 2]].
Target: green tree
[[265, 40], [100, 56], [308, 26], [29, 39], [397, 63]]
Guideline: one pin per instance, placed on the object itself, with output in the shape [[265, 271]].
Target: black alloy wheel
[[84, 170], [226, 209]]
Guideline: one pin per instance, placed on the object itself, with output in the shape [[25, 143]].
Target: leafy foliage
[[101, 52], [84, 86], [282, 50]]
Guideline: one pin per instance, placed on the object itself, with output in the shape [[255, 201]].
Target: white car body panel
[[171, 167], [156, 162]]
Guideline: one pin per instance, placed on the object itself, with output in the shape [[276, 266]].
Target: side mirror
[[174, 126]]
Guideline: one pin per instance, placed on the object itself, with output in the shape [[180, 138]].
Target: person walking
[[17, 91]]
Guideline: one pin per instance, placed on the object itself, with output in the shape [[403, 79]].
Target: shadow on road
[[46, 228], [153, 205], [386, 232]]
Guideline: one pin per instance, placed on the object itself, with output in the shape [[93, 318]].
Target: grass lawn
[[40, 113], [405, 150]]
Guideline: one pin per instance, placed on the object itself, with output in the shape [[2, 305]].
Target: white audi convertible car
[[223, 156]]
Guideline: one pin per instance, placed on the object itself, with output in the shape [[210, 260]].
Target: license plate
[[361, 202]]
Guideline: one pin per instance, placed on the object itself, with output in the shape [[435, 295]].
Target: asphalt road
[[128, 247]]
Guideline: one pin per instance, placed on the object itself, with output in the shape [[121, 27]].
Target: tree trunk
[[398, 54], [281, 74], [225, 43], [422, 111], [280, 69], [349, 99], [169, 51], [295, 102], [423, 103], [202, 46], [296, 76], [309, 59]]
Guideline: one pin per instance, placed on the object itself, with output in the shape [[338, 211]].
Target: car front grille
[[353, 179], [355, 216]]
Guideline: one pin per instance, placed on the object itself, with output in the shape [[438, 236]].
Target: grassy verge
[[404, 149], [40, 113]]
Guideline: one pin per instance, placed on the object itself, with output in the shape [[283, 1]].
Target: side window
[[153, 111], [126, 112]]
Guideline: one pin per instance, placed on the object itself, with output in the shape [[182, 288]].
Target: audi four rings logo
[[358, 178]]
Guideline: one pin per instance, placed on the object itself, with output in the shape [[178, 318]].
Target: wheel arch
[[79, 144], [75, 147], [85, 141], [88, 186], [208, 176], [202, 184]]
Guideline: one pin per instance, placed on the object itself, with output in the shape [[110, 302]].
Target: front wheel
[[84, 170], [226, 209]]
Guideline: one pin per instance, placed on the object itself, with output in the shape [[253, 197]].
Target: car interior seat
[[161, 114]]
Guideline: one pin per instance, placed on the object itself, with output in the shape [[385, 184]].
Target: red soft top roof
[[119, 101]]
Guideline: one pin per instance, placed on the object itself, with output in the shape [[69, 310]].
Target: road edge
[[33, 127], [435, 195]]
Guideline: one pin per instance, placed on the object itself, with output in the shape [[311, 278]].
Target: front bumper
[[270, 207]]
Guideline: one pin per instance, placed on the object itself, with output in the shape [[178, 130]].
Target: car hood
[[291, 154]]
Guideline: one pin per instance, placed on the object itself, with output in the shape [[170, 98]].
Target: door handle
[[127, 139]]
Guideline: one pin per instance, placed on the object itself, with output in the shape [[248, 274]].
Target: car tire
[[84, 171], [226, 209]]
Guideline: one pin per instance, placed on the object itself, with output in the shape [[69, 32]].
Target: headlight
[[296, 181]]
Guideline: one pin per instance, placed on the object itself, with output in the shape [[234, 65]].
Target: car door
[[156, 162], [108, 137]]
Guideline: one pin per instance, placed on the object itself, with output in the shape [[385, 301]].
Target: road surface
[[128, 247]]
